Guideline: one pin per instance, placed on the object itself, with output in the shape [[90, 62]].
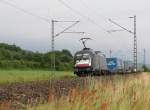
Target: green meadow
[[11, 76]]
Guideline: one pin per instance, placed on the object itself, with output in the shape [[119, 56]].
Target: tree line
[[13, 57]]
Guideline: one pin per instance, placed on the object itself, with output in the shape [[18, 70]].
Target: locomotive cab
[[88, 62], [83, 61]]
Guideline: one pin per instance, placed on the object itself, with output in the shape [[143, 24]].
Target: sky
[[27, 23]]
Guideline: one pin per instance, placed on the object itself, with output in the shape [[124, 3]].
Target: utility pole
[[53, 48], [135, 45], [135, 40], [53, 35], [110, 52], [144, 59]]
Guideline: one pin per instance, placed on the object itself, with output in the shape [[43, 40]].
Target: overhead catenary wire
[[28, 12], [82, 15], [46, 19], [24, 11], [93, 10]]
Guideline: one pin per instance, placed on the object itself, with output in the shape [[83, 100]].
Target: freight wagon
[[128, 66], [115, 65]]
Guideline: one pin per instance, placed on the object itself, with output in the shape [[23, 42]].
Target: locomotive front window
[[82, 57], [86, 57], [79, 57]]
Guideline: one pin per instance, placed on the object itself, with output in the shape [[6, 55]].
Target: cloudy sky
[[27, 23]]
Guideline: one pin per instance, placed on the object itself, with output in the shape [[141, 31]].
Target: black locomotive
[[88, 62]]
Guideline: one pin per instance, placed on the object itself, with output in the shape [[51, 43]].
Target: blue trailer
[[115, 65]]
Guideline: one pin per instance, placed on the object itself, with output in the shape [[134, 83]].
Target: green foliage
[[13, 57], [146, 69], [11, 76]]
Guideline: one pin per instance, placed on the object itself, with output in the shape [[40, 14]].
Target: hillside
[[13, 57]]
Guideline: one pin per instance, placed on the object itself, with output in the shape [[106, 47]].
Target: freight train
[[89, 62]]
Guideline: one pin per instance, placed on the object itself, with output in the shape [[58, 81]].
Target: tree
[[12, 56]]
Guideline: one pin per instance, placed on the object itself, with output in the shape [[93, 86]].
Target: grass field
[[114, 92], [131, 92], [10, 76]]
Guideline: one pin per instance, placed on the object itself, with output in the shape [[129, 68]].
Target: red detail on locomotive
[[82, 65]]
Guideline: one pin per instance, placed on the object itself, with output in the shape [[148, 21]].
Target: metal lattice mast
[[54, 35], [144, 59], [135, 46], [53, 47], [135, 40], [110, 52]]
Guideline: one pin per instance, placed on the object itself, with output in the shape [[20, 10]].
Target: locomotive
[[89, 62]]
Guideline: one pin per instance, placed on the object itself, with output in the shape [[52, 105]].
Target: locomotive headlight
[[89, 62]]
